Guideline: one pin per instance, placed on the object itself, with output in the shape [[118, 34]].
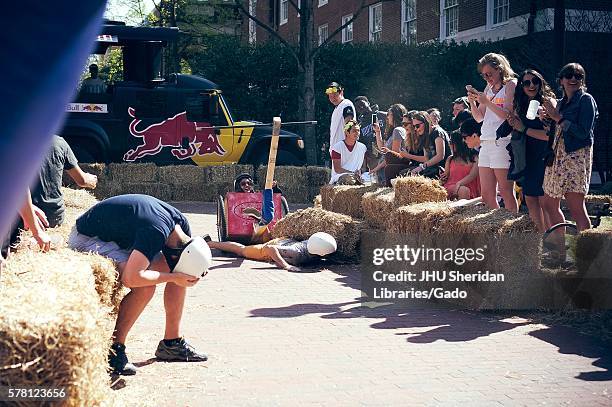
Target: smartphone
[[374, 118]]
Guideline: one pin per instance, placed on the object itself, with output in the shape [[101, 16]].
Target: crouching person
[[287, 253], [150, 241], [347, 157]]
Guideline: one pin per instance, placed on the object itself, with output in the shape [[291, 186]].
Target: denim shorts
[[84, 243]]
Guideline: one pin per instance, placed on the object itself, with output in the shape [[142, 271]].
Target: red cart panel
[[240, 226]]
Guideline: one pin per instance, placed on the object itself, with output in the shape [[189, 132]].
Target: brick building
[[416, 21]]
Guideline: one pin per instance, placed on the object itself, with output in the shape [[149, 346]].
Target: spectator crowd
[[509, 137]]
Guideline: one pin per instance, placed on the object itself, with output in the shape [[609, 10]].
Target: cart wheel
[[558, 248], [284, 207], [221, 219]]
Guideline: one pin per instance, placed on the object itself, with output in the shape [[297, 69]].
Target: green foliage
[[111, 65]]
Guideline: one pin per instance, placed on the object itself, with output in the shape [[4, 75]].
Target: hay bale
[[316, 178], [156, 189], [182, 174], [78, 198], [194, 192], [598, 199], [216, 174], [53, 331], [132, 173], [99, 170], [411, 190], [293, 181], [345, 199], [300, 225], [419, 218], [479, 219], [377, 207], [593, 248]]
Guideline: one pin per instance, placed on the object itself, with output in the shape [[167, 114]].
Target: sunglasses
[[245, 183], [487, 75], [536, 82], [418, 125], [331, 90], [571, 75]]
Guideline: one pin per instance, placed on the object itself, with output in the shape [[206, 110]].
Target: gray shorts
[[84, 243]]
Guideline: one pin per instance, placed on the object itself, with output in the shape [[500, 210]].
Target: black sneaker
[[118, 361], [180, 350]]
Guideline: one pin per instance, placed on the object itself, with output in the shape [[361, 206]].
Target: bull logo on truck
[[175, 132]]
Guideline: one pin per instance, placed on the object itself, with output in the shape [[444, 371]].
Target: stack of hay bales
[[186, 183], [300, 225], [378, 206], [345, 199], [137, 179], [419, 218], [53, 330], [412, 190], [195, 183], [299, 184], [594, 264]]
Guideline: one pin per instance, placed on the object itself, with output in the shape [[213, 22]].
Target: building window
[[449, 18], [376, 22], [252, 24], [409, 22], [498, 11], [323, 33], [322, 2], [284, 11], [347, 32]]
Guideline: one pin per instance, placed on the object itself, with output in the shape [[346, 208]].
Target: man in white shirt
[[343, 111], [347, 157]]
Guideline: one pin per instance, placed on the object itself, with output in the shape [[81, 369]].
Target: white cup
[[532, 111]]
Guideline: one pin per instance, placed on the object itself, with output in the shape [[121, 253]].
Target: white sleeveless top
[[492, 121]]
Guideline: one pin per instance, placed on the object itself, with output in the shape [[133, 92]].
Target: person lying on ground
[[151, 243], [286, 253]]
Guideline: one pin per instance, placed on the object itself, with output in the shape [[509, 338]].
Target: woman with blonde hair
[[491, 107]]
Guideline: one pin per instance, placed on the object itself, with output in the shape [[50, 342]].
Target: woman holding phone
[[395, 134], [491, 108]]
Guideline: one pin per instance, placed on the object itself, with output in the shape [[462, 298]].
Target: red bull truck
[[165, 119]]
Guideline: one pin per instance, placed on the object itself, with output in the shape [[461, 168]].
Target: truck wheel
[[221, 219], [86, 152]]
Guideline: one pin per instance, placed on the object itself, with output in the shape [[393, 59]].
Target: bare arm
[[477, 110], [339, 169], [33, 222], [82, 178], [501, 112], [273, 253], [440, 151], [472, 175], [136, 273]]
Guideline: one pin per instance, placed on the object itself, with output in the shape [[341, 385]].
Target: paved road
[[279, 338]]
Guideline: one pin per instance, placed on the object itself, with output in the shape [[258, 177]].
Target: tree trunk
[[306, 78]]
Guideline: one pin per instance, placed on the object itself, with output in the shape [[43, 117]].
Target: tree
[[304, 57]]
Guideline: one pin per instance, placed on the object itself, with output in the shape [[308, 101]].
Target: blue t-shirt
[[134, 222]]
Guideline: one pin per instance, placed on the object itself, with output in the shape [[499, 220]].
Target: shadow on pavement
[[571, 343], [449, 325]]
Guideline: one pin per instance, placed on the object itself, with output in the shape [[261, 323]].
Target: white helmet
[[321, 244], [195, 258]]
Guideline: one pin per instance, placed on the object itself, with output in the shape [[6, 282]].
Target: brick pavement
[[282, 339]]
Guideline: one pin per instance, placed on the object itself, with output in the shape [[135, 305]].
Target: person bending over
[[150, 241]]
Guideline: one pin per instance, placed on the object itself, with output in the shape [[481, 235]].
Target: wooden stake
[[273, 149]]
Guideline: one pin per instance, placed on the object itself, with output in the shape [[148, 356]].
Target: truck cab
[[166, 119]]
